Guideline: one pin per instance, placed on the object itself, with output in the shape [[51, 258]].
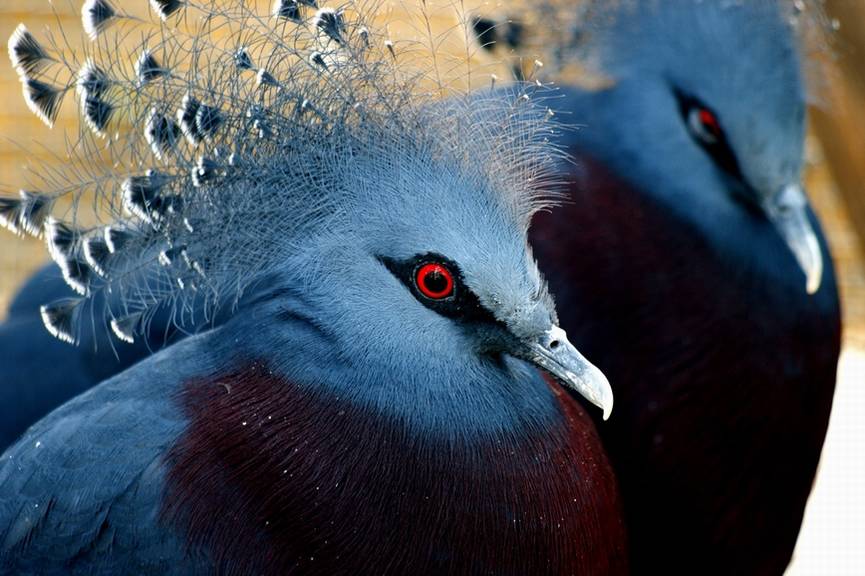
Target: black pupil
[[435, 281]]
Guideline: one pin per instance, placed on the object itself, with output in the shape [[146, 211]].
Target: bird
[[387, 391], [689, 266]]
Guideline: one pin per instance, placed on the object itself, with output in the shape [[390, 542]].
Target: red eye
[[434, 281], [704, 126], [710, 122]]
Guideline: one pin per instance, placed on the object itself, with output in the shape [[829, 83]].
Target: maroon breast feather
[[271, 478]]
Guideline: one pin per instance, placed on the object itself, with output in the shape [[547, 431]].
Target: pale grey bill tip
[[788, 211], [555, 354]]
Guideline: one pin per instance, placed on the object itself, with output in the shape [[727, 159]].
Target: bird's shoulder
[[82, 489]]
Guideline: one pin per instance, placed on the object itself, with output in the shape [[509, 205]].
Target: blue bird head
[[704, 104], [421, 272]]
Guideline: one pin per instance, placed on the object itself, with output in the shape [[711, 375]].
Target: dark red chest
[[272, 480]]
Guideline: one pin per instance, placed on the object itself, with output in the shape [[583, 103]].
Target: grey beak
[[555, 354], [788, 211]]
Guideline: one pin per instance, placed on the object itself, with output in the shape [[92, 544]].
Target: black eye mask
[[437, 283]]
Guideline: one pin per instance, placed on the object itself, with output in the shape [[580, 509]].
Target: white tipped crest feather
[[76, 273], [60, 318], [43, 99], [147, 68], [329, 25], [265, 78], [288, 9], [117, 236], [186, 119], [25, 52], [92, 81], [35, 209], [61, 239], [208, 120], [10, 213], [97, 253], [166, 8], [161, 133], [126, 327], [96, 16], [97, 113], [242, 59], [27, 213]]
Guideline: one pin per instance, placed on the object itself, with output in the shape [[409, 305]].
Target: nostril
[[554, 344]]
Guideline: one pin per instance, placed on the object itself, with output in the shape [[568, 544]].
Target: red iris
[[710, 122], [434, 281]]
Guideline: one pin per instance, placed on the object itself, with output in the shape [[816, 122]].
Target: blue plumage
[[668, 253]]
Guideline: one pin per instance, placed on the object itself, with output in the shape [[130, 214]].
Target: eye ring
[[435, 281]]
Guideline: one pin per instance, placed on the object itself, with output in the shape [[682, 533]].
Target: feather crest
[[250, 165], [92, 81], [76, 273], [96, 253], [10, 214], [61, 238], [288, 9], [35, 209], [118, 236], [165, 8], [147, 68], [126, 327]]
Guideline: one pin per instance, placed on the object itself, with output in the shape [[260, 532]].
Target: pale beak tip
[[813, 283], [814, 268], [607, 402], [603, 398]]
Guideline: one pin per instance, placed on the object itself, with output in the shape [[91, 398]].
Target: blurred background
[[833, 535]]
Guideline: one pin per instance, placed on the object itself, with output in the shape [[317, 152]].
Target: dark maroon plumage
[[308, 484], [723, 379]]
